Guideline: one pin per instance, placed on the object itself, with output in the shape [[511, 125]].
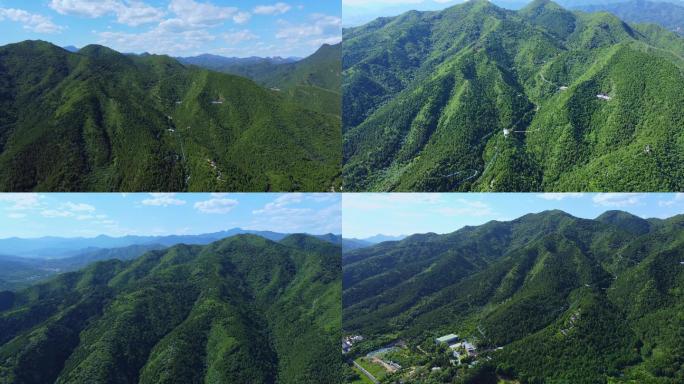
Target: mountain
[[71, 48], [351, 244], [480, 98], [314, 81], [546, 298], [379, 238], [244, 310], [250, 67], [98, 120], [20, 272], [667, 15], [61, 247]]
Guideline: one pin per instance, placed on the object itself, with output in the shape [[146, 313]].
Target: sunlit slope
[[244, 309], [99, 120], [480, 98]]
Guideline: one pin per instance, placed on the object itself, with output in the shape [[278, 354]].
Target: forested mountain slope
[[480, 98], [549, 298], [98, 120], [242, 310], [314, 81]]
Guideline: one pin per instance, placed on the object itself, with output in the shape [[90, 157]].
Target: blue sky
[[365, 215], [177, 27], [31, 215]]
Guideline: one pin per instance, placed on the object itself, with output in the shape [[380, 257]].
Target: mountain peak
[[95, 50], [626, 221]]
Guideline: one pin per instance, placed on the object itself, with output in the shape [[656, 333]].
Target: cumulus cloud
[[559, 196], [191, 14], [285, 214], [129, 12], [163, 200], [218, 204], [20, 201], [320, 28], [275, 9], [617, 200], [32, 22], [236, 37]]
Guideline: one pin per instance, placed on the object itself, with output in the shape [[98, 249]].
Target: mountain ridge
[[581, 292], [492, 99]]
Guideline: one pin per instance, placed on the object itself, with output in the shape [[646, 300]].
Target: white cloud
[[157, 41], [617, 200], [80, 207], [677, 198], [467, 208], [20, 201], [358, 201], [236, 37], [33, 22], [193, 14], [54, 213], [283, 215], [163, 200], [216, 205], [321, 28], [129, 12], [559, 196], [16, 215], [275, 9]]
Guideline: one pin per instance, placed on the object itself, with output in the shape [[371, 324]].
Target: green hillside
[[241, 310], [546, 298], [479, 98], [97, 120], [314, 81]]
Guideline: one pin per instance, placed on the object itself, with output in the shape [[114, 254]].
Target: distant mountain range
[[98, 120], [59, 247], [349, 244], [480, 98], [314, 81], [240, 310], [597, 300], [665, 14], [24, 262], [222, 63]]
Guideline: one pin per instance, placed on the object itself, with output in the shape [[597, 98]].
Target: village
[[404, 362]]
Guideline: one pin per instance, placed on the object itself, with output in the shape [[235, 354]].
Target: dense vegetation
[[314, 81], [666, 14], [241, 310], [98, 120], [568, 300], [476, 97]]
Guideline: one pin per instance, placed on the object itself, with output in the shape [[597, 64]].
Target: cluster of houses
[[349, 341], [460, 348]]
